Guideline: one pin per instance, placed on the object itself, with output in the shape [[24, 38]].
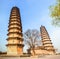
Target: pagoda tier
[[14, 33], [46, 39], [14, 24], [15, 36], [16, 28]]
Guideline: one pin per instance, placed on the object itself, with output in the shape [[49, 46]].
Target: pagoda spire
[[46, 39], [15, 36]]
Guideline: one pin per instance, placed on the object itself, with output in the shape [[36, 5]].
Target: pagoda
[[46, 42], [15, 36]]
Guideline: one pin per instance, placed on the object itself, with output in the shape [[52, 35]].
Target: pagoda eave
[[48, 46], [21, 45], [14, 17], [14, 21], [46, 43], [14, 38], [14, 28], [14, 24], [13, 33], [45, 40]]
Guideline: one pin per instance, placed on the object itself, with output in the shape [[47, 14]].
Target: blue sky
[[34, 13]]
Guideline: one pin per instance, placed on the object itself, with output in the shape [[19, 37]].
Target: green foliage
[[55, 13]]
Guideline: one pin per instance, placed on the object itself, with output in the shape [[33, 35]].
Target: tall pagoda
[[46, 40], [15, 37]]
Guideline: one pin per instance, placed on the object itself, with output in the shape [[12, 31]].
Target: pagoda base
[[14, 50]]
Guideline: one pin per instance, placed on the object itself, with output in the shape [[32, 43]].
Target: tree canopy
[[32, 39], [55, 13]]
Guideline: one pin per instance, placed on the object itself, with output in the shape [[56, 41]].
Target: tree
[[32, 38], [55, 13]]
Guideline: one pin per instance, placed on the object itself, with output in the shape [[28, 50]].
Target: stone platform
[[35, 57]]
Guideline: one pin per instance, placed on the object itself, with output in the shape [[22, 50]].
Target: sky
[[34, 13]]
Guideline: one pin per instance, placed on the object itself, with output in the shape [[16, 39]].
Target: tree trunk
[[33, 50]]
